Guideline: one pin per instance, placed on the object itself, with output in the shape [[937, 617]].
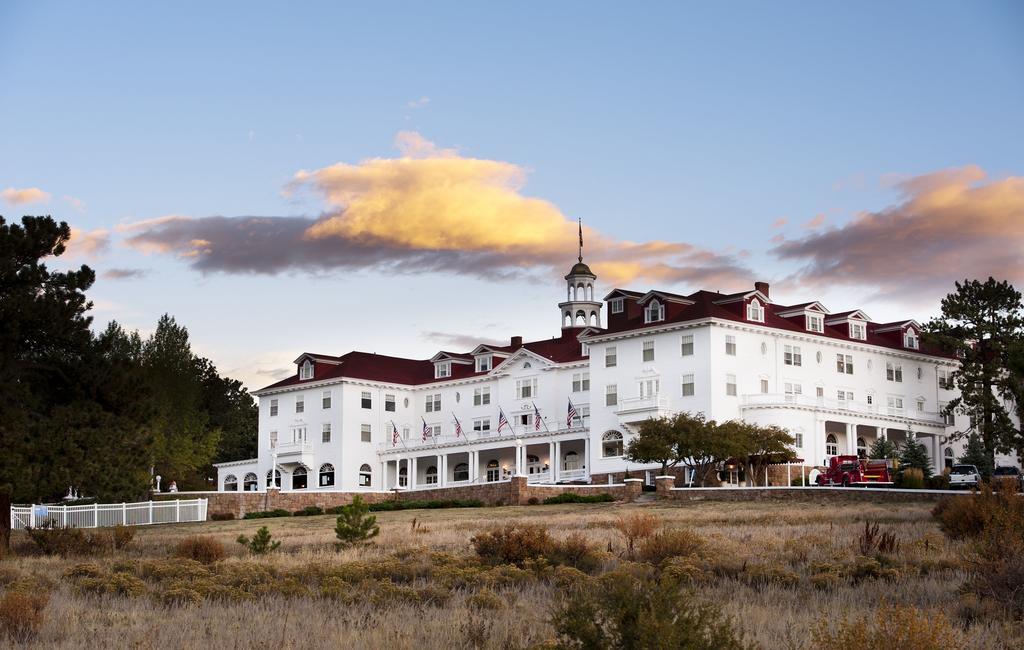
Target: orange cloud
[[15, 196], [815, 222], [780, 222], [89, 244], [950, 225]]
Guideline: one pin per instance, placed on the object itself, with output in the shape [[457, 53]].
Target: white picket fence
[[98, 515]]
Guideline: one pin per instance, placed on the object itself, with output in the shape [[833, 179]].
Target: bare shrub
[[486, 599], [635, 527], [900, 627], [122, 536], [120, 584], [513, 544], [21, 613], [56, 540], [200, 548], [576, 552], [964, 517], [873, 541], [670, 543]]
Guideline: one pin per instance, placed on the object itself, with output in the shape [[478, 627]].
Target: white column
[[472, 465], [820, 444], [551, 460], [851, 439], [586, 455], [412, 473], [383, 475], [440, 470], [556, 462]]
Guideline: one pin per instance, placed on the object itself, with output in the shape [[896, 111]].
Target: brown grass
[[777, 570]]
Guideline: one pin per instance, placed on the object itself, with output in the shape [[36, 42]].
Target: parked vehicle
[[852, 471], [964, 476], [1008, 474]]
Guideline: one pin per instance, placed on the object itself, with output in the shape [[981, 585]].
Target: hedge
[[266, 514], [572, 497]]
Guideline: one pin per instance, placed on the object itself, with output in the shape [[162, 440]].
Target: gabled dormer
[[445, 361], [853, 323], [622, 305], [909, 332], [306, 369], [659, 306], [810, 315], [753, 303], [307, 364]]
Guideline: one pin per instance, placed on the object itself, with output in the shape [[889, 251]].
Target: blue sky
[[696, 124]]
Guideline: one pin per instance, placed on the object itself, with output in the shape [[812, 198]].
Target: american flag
[[458, 426], [426, 430], [502, 420], [394, 434], [536, 418], [571, 416]]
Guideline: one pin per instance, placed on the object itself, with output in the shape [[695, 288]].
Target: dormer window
[[616, 305], [483, 363], [755, 311], [911, 340], [654, 312], [306, 370], [858, 331], [815, 323], [443, 370]]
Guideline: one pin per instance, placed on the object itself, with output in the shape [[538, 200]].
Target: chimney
[[763, 288], [517, 342]]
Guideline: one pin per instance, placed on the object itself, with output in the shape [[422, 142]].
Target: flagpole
[[542, 420]]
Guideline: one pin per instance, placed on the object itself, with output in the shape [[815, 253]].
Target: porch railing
[[98, 515]]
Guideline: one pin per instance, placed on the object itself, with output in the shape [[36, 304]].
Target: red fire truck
[[852, 471]]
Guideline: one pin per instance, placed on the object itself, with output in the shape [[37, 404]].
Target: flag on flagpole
[[571, 416], [502, 420], [426, 430], [536, 417], [458, 426], [394, 434]]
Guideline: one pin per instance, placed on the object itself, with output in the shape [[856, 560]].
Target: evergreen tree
[[982, 323], [355, 525], [882, 448], [914, 454], [975, 454]]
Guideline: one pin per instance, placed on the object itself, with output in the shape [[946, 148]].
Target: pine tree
[[355, 525], [260, 543], [975, 454], [913, 454], [883, 448]]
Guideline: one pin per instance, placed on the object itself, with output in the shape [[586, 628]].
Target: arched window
[[862, 448], [250, 482], [432, 475], [654, 312], [580, 293], [948, 458], [581, 318], [403, 476], [493, 474], [306, 370], [567, 321], [326, 475], [590, 291], [593, 319], [755, 311], [365, 475], [274, 478], [299, 478], [611, 444], [461, 472], [572, 461], [831, 445], [230, 483]]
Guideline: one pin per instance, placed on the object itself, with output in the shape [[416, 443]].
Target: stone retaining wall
[[665, 490]]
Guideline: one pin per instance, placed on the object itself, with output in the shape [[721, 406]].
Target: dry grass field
[[786, 575]]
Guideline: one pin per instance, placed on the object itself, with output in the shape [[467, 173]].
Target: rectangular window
[[819, 391], [844, 364], [483, 363], [688, 385], [910, 339], [481, 396], [525, 419], [687, 347], [433, 430], [433, 403], [730, 345], [273, 439], [582, 418], [326, 401], [920, 406], [792, 390], [526, 388], [791, 356], [366, 401], [764, 386], [894, 372], [858, 331], [585, 349], [648, 354], [442, 370], [895, 402], [273, 408], [730, 385], [389, 403], [482, 425], [611, 395], [580, 382], [945, 379], [870, 399], [844, 396], [300, 404], [815, 323], [616, 305], [364, 432], [325, 433], [610, 358], [947, 418], [798, 440]]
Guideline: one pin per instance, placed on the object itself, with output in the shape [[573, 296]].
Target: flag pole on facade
[[538, 420], [395, 437], [571, 414], [503, 421], [425, 429], [458, 426]]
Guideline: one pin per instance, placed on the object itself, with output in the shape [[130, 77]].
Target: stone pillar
[[551, 460], [663, 485], [634, 487], [518, 489]]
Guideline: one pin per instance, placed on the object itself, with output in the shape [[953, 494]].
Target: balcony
[[638, 409], [853, 407], [294, 453], [527, 434]]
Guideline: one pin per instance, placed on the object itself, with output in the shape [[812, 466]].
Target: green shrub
[[200, 548], [309, 511], [628, 611], [573, 497], [513, 544], [260, 544], [938, 482], [355, 525], [222, 516], [266, 514], [119, 584], [388, 506]]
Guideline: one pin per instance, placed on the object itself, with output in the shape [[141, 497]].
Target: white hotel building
[[836, 381]]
